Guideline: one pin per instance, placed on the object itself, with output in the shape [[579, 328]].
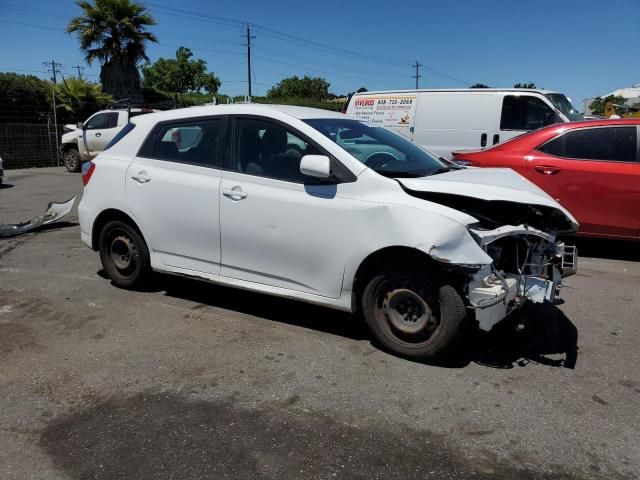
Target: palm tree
[[77, 98], [114, 32]]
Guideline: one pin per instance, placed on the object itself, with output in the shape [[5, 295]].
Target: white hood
[[490, 184]]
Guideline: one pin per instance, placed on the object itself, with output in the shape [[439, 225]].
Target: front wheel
[[412, 313], [71, 158], [124, 254]]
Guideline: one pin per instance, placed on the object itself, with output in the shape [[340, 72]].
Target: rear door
[[452, 121], [595, 174], [173, 190]]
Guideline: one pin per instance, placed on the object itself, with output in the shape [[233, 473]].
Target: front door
[[99, 131], [277, 227], [595, 174], [522, 113], [173, 190]]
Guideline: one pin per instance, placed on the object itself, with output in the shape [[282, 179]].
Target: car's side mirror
[[81, 125], [317, 166]]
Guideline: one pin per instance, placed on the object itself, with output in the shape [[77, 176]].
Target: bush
[[24, 99]]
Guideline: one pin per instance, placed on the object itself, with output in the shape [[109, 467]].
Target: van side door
[[451, 121]]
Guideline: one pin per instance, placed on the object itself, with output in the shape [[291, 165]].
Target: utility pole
[[53, 67], [248, 45], [80, 69], [417, 66]]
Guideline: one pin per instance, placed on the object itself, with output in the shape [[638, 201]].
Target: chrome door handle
[[235, 194], [141, 178], [98, 134]]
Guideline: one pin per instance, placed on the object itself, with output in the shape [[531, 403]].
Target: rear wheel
[[412, 313], [71, 158], [124, 254]]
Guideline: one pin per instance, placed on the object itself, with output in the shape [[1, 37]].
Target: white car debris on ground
[[54, 213], [327, 209]]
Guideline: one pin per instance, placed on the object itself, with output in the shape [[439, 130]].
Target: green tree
[[598, 103], [296, 87], [362, 90], [180, 75], [77, 98], [525, 85], [24, 98], [114, 32], [479, 85]]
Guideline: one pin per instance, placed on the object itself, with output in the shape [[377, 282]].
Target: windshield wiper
[[439, 170], [399, 174]]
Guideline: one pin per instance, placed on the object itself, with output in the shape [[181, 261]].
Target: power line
[[31, 25]]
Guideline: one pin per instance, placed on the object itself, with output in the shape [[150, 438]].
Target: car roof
[[301, 113], [535, 137]]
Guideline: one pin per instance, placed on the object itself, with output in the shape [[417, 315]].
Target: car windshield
[[563, 104], [384, 151]]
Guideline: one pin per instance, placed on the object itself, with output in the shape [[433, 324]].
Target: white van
[[445, 121]]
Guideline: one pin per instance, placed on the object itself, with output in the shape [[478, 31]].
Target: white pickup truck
[[88, 139]]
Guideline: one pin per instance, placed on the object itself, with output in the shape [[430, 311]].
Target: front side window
[[617, 144], [524, 112], [192, 142], [384, 151], [99, 121], [267, 149]]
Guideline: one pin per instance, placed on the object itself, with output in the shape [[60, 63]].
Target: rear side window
[[524, 112], [120, 135], [193, 142], [617, 144]]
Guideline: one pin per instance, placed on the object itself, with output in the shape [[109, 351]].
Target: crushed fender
[[54, 213]]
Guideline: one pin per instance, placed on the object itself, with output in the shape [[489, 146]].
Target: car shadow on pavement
[[538, 334], [607, 249], [265, 306], [5, 185]]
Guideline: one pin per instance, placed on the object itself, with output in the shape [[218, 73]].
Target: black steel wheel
[[413, 314], [124, 254]]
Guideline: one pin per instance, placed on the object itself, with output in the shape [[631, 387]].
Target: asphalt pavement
[[188, 380]]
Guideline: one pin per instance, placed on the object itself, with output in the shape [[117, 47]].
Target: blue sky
[[582, 48]]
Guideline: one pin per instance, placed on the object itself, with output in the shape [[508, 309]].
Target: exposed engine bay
[[529, 261]]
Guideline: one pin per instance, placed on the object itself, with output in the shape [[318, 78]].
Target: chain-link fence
[[28, 145]]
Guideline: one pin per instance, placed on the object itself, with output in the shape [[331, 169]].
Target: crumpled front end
[[528, 266]]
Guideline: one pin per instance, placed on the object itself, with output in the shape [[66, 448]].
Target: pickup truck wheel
[[413, 314], [124, 254], [71, 158]]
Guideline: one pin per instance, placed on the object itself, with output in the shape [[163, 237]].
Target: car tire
[[124, 255], [412, 313], [72, 161]]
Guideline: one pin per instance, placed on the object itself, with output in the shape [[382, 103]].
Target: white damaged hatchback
[[323, 208]]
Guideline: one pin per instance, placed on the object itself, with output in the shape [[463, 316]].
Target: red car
[[592, 168]]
